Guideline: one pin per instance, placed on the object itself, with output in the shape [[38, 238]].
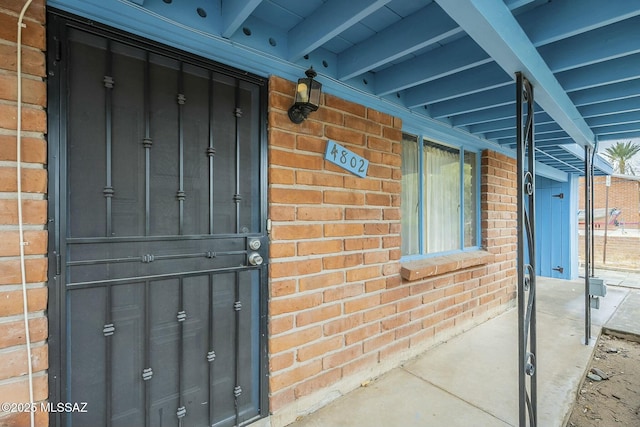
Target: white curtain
[[442, 198], [410, 197], [470, 197]]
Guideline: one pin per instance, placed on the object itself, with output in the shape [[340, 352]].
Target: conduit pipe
[[20, 222]]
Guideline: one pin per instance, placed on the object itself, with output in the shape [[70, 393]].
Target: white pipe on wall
[[20, 224]]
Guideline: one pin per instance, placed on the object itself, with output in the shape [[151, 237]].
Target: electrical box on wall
[[597, 287]]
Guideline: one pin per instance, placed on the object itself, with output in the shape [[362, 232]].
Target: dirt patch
[[615, 399]]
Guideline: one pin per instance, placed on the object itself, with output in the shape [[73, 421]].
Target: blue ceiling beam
[[613, 107], [552, 144], [619, 136], [542, 144], [466, 82], [492, 25], [599, 163], [615, 119], [421, 29], [612, 92], [572, 167], [493, 126], [486, 115], [326, 22], [234, 13], [560, 19], [553, 132], [602, 73], [616, 128], [454, 57], [474, 102], [496, 113], [509, 123], [599, 45], [551, 136]]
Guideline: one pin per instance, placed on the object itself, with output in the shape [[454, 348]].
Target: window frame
[[420, 140]]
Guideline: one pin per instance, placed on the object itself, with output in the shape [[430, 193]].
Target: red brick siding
[[622, 251], [339, 308], [13, 366], [624, 194]]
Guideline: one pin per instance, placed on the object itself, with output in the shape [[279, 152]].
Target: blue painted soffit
[[446, 67]]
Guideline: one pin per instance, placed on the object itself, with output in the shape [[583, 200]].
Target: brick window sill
[[431, 267]]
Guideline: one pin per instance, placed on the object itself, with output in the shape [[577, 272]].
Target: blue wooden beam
[[560, 19], [489, 114], [616, 128], [602, 73], [486, 115], [599, 45], [612, 107], [326, 22], [612, 92], [510, 123], [617, 119], [234, 13], [454, 57], [423, 28], [466, 82], [599, 163], [619, 136], [474, 102], [492, 25]]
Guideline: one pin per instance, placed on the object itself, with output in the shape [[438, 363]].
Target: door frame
[[57, 23]]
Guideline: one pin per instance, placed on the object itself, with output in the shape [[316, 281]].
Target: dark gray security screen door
[[157, 173]]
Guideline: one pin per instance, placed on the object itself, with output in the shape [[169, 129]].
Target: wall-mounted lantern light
[[307, 97]]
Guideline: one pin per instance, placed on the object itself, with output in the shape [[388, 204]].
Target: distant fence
[[622, 251]]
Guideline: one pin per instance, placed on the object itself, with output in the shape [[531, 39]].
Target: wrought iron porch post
[[527, 382], [587, 242]]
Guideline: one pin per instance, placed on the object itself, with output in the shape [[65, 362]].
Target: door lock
[[254, 244], [255, 259]]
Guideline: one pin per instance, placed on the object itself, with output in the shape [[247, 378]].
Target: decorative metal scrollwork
[[527, 382]]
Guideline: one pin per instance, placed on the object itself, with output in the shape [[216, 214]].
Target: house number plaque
[[346, 159]]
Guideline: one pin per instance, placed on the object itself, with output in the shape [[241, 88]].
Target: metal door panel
[[162, 188], [128, 314]]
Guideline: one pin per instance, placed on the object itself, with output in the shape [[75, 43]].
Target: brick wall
[[624, 194], [623, 251], [13, 360], [340, 310]]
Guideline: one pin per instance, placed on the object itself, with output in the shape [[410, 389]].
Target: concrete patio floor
[[472, 379]]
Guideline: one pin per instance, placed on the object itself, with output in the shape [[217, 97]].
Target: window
[[439, 197]]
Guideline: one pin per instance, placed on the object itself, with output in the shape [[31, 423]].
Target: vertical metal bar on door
[[108, 331], [181, 317], [238, 114], [147, 143], [211, 355], [147, 353], [211, 152], [237, 390], [181, 101], [527, 382], [108, 85]]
